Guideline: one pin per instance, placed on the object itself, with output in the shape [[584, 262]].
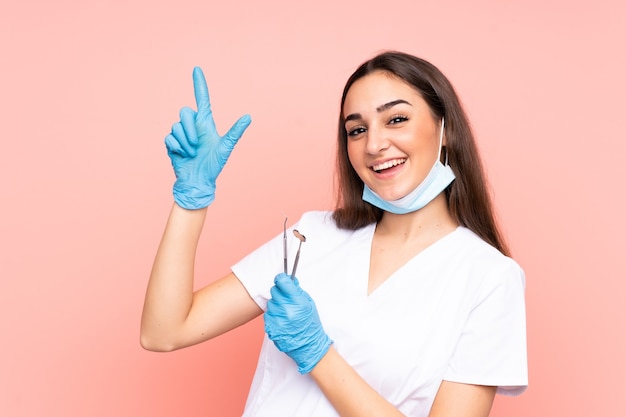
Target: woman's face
[[393, 139]]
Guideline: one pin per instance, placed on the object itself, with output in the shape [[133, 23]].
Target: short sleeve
[[257, 270], [492, 347]]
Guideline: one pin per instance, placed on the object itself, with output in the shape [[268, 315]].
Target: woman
[[406, 302]]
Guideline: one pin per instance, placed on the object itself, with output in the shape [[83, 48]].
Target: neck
[[434, 219]]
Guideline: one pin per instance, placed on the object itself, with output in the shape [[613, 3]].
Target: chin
[[392, 192], [392, 196]]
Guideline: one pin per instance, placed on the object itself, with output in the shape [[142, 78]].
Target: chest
[[389, 255], [393, 313], [406, 330]]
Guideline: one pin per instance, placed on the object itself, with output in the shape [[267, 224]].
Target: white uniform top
[[454, 312]]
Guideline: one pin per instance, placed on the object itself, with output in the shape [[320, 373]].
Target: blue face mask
[[439, 177]]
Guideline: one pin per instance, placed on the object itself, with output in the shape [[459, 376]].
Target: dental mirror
[[301, 238]]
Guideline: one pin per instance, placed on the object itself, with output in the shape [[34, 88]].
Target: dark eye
[[356, 131], [398, 119]]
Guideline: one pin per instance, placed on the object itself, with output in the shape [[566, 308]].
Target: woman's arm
[[463, 400], [352, 396], [173, 315]]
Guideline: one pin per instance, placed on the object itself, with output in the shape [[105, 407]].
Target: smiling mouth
[[388, 164]]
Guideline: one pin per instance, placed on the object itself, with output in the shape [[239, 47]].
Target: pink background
[[89, 89]]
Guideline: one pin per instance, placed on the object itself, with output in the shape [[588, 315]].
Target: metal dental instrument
[[285, 245], [301, 238]]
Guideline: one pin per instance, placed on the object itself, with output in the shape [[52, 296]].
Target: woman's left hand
[[292, 323]]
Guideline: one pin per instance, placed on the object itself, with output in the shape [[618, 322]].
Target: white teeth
[[388, 164]]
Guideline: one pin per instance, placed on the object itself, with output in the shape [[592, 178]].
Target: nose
[[377, 140]]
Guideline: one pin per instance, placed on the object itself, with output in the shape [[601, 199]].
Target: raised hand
[[198, 153]]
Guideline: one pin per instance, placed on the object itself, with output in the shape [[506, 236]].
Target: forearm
[[350, 394], [170, 289]]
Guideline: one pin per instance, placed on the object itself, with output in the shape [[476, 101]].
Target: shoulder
[[483, 260], [321, 223], [325, 238]]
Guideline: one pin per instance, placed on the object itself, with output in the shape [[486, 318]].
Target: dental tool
[[302, 239], [285, 245]]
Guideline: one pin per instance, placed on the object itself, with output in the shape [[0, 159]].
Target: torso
[[408, 334], [390, 252]]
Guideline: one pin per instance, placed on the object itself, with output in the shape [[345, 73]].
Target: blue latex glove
[[198, 153], [292, 323]]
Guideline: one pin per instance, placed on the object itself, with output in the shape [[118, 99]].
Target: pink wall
[[88, 90]]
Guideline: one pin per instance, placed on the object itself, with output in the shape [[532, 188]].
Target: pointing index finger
[[201, 91]]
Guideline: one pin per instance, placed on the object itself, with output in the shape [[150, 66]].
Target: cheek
[[352, 154], [356, 159]]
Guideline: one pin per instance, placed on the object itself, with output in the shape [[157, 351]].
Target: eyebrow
[[379, 109]]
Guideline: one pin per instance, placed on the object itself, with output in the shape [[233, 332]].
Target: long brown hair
[[468, 196]]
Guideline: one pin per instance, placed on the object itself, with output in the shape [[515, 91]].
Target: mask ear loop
[[443, 123]]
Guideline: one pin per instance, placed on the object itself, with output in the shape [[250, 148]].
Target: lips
[[388, 164]]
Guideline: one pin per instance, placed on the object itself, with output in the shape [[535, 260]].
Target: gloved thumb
[[235, 133], [287, 285]]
